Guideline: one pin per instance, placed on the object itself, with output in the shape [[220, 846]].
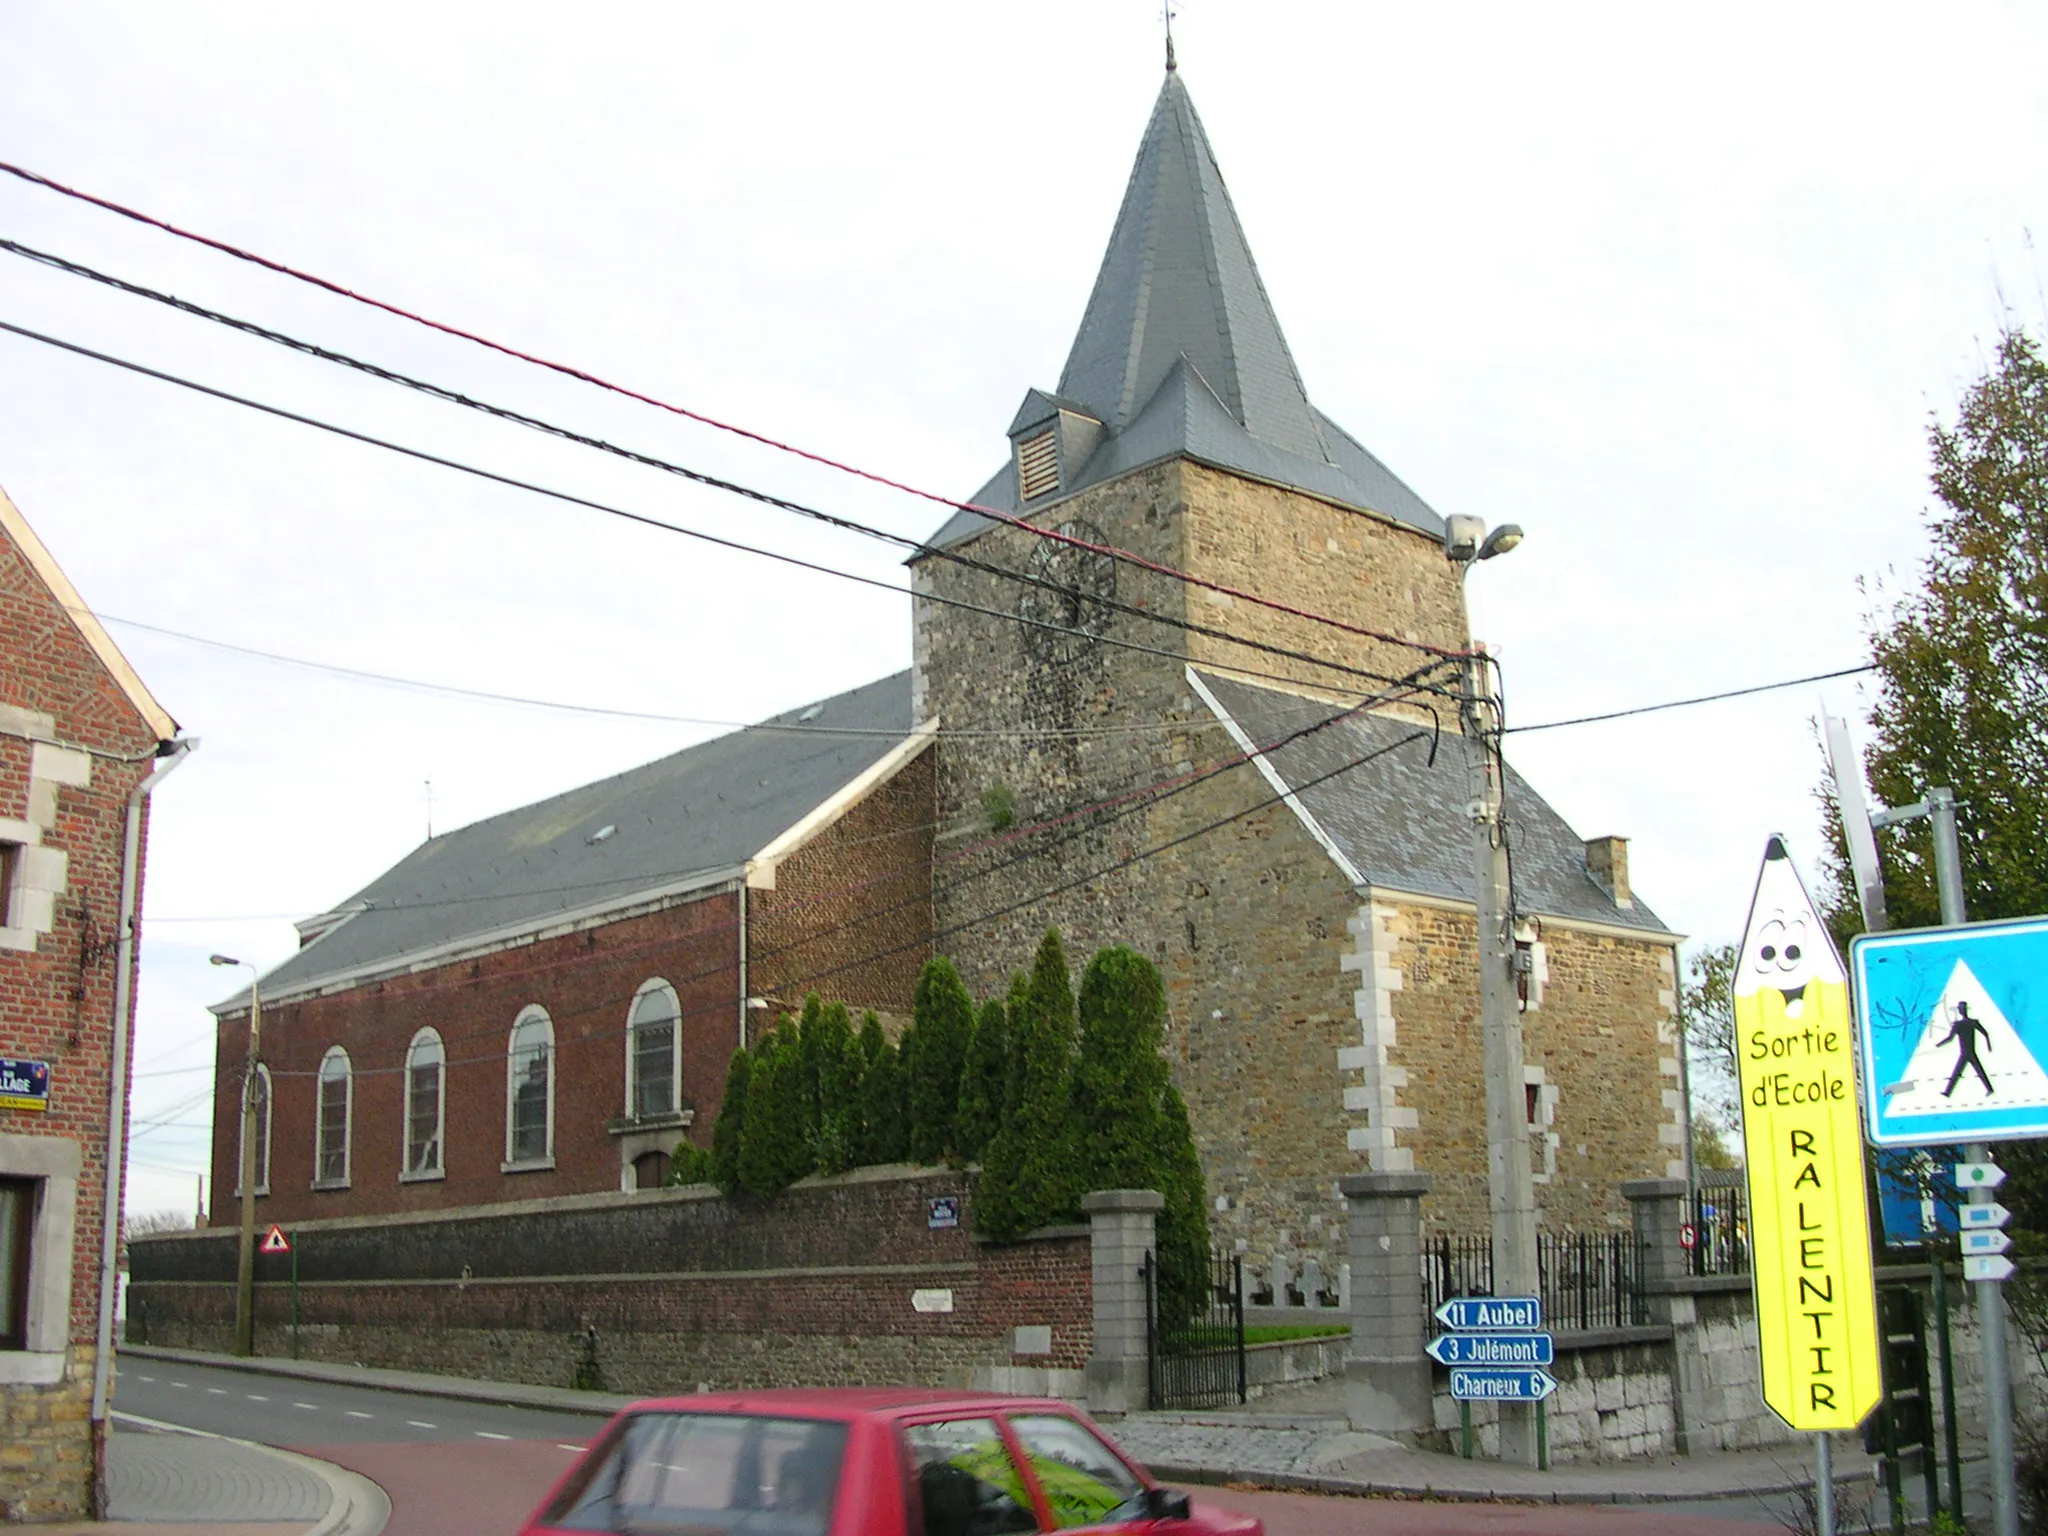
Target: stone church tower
[[1260, 801]]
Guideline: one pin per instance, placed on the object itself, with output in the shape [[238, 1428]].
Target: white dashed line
[[182, 1386], [357, 1413], [145, 1378], [421, 1424], [561, 1447], [309, 1407], [485, 1434], [216, 1391]]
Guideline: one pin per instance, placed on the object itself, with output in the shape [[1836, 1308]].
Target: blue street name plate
[[1500, 1384], [24, 1084], [1492, 1314], [1492, 1349], [1952, 1032]]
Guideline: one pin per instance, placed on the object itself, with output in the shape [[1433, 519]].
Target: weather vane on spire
[[1166, 8]]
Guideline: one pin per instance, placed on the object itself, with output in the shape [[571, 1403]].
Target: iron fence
[[1586, 1279], [1719, 1217], [1194, 1334]]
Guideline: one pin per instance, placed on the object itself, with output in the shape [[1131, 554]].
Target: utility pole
[[245, 1248], [1511, 1191]]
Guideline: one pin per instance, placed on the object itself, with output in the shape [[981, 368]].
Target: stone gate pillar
[[1656, 1213], [1387, 1384], [1121, 1233]]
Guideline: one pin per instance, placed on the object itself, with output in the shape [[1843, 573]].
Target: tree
[[1119, 1076], [1962, 682], [1707, 1003], [1183, 1232], [775, 1146], [942, 1015], [728, 1135], [1962, 663], [1028, 1175], [982, 1082], [885, 1136], [836, 1058]]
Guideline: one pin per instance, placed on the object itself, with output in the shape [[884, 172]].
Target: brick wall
[[850, 916], [585, 980], [682, 1287], [57, 997]]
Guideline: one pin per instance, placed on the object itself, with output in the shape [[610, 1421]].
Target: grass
[[1280, 1333]]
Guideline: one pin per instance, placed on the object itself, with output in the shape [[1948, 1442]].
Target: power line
[[1705, 698], [568, 371], [641, 518], [918, 547]]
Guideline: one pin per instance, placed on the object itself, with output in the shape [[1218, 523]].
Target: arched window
[[530, 1091], [653, 1051], [425, 1095], [331, 1121], [259, 1095]]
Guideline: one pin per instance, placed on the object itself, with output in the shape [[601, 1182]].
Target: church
[[1184, 676]]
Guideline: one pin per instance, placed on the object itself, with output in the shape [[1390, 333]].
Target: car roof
[[847, 1402]]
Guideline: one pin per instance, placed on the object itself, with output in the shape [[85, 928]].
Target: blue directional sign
[[1492, 1349], [1500, 1384], [1492, 1314], [1952, 1027]]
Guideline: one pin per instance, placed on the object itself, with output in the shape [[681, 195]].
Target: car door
[[964, 1481], [1085, 1484]]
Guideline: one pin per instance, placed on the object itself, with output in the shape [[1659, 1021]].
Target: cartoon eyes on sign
[[1785, 948]]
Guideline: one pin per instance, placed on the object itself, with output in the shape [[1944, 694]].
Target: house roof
[[1398, 820], [83, 619], [1179, 352], [666, 826]]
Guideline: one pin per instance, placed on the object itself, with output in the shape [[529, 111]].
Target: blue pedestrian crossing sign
[[1952, 1029]]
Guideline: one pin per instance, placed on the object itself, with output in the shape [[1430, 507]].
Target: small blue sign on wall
[[24, 1084], [1953, 1031], [943, 1211]]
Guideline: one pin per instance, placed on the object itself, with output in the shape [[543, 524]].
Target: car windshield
[[707, 1474]]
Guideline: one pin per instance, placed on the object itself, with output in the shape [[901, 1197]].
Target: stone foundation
[[46, 1460]]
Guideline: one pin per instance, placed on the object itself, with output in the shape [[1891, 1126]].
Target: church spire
[[1178, 281]]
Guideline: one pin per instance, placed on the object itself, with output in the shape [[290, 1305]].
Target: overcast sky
[[1678, 290]]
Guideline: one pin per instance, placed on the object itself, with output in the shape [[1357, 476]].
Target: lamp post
[[1511, 1192], [245, 1248]]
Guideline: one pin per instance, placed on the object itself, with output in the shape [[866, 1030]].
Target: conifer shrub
[[835, 1135], [884, 1110], [730, 1129], [1119, 1074], [942, 1016], [983, 1082], [1028, 1175], [775, 1148], [688, 1164]]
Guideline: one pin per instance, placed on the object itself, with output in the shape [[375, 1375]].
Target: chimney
[[1607, 862]]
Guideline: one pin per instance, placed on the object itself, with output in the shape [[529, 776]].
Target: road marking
[[216, 1391], [309, 1407], [357, 1413], [561, 1447], [145, 1378], [258, 1397], [182, 1386], [485, 1434], [421, 1424]]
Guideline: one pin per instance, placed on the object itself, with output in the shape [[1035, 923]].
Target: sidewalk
[[167, 1481]]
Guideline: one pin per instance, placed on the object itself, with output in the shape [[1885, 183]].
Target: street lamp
[[245, 1250], [1511, 1190]]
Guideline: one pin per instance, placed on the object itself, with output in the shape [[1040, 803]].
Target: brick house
[[82, 744], [1274, 809], [543, 1003]]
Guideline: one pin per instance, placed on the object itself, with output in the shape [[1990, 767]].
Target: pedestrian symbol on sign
[[274, 1241]]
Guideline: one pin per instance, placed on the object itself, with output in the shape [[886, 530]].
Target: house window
[[653, 1047], [259, 1099], [424, 1102], [17, 1229], [530, 1091], [10, 877], [331, 1130]]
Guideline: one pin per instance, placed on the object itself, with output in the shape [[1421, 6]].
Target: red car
[[862, 1462]]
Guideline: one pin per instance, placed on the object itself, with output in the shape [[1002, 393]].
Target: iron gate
[[1194, 1334]]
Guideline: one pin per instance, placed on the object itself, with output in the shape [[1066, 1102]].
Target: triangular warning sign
[[274, 1241], [1969, 1057]]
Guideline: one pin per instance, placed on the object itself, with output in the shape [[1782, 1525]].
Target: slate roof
[[1179, 352], [708, 808], [1400, 821]]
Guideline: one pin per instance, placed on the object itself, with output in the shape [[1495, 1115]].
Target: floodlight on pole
[[245, 1248]]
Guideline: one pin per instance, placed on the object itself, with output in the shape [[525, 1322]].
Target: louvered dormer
[[1050, 441]]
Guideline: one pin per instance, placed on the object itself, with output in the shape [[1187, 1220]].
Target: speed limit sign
[[1688, 1236]]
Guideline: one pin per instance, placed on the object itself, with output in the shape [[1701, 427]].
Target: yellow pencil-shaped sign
[[1816, 1306]]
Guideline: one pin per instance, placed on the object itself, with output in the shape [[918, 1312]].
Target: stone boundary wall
[[658, 1291]]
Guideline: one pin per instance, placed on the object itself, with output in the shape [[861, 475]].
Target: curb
[[1359, 1488], [355, 1505], [505, 1394]]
